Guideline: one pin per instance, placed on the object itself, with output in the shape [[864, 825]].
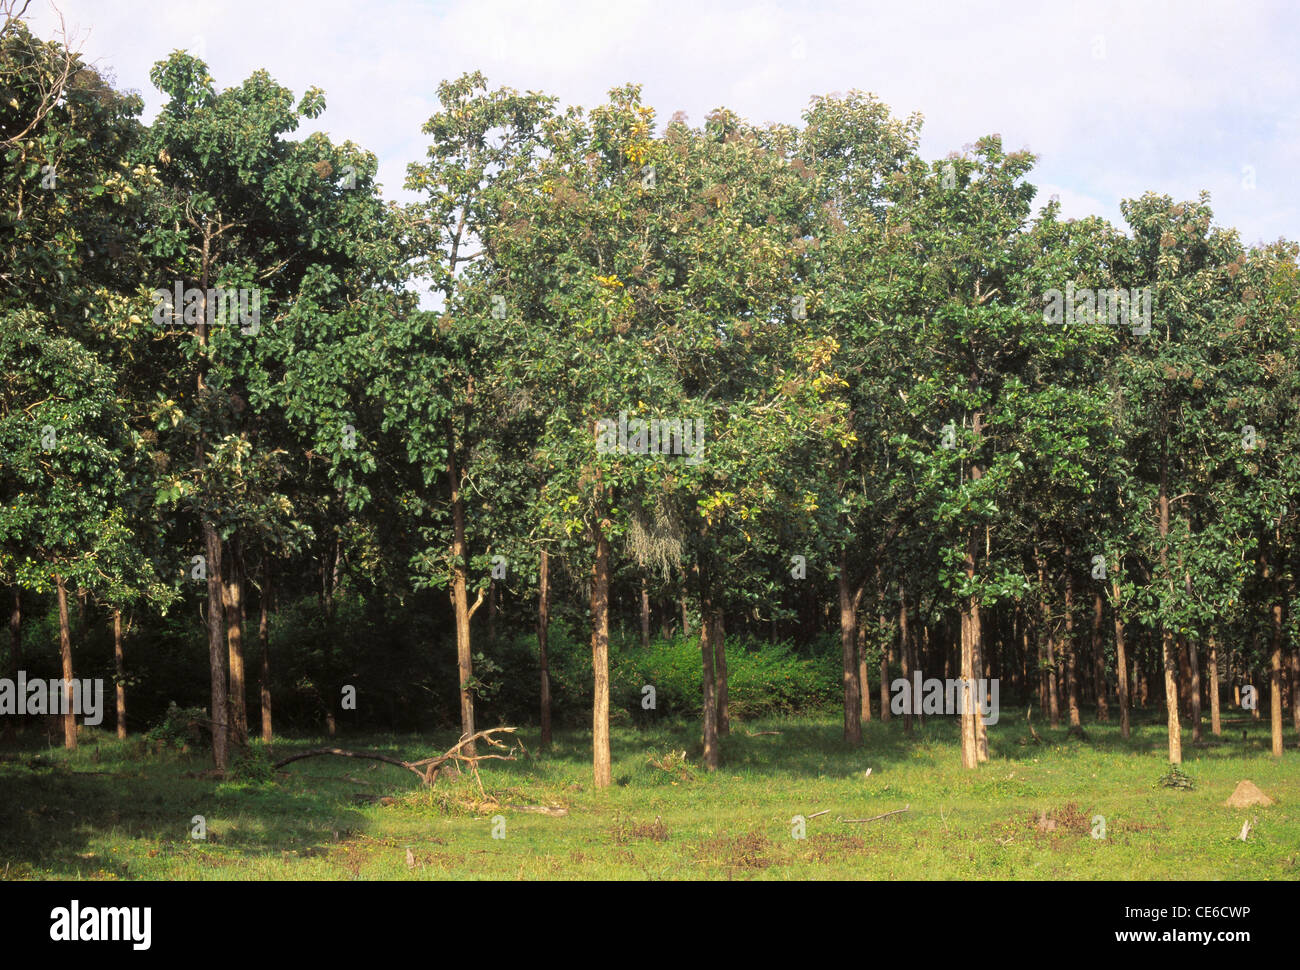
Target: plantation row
[[727, 383]]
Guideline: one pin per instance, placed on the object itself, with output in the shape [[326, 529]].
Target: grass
[[118, 810]]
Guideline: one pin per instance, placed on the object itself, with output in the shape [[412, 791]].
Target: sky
[[1115, 99]]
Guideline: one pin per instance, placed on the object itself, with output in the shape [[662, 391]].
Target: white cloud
[[1116, 98]]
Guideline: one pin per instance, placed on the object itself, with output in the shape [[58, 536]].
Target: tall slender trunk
[[1275, 674], [601, 767], [460, 591], [65, 653], [217, 651], [1215, 725], [1098, 658], [1295, 688], [1194, 665], [543, 632], [720, 671], [885, 714], [1071, 648], [1121, 657], [905, 653], [1047, 643], [864, 678], [119, 671], [233, 602], [1167, 646], [492, 612], [264, 643], [849, 658], [710, 700], [969, 738]]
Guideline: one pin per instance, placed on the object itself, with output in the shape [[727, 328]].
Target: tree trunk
[[460, 593], [233, 602], [710, 700], [969, 738], [492, 612], [1098, 658], [1167, 645], [264, 643], [1215, 725], [1047, 643], [216, 647], [543, 631], [1275, 678], [600, 655], [720, 672], [119, 670], [885, 714], [65, 652], [905, 653], [1295, 688], [864, 679], [849, 658], [1121, 657], [1071, 648], [1195, 691]]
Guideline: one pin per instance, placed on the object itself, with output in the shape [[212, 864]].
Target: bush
[[179, 726]]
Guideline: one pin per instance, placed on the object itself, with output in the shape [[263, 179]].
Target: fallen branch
[[854, 821], [759, 734], [427, 769], [824, 811]]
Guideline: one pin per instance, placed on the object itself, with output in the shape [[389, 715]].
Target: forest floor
[[118, 810]]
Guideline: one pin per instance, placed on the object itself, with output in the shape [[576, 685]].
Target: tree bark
[[460, 591], [217, 651], [1121, 657], [543, 631], [1215, 725], [849, 657], [119, 670], [905, 652], [233, 602], [864, 679], [1275, 676], [65, 653], [601, 766], [710, 700], [1167, 646], [264, 643], [1071, 648], [1098, 658], [885, 714], [720, 671]]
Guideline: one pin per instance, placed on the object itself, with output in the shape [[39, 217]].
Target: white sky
[[1116, 98]]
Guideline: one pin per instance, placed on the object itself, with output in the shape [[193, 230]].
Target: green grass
[[114, 810]]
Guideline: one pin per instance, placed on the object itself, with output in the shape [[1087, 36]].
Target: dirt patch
[[625, 831], [1247, 795], [822, 848], [744, 852]]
